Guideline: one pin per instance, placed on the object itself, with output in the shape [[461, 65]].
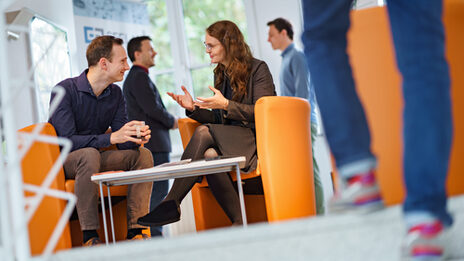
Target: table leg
[[240, 195], [103, 212], [111, 215]]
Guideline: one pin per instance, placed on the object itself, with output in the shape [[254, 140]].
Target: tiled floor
[[370, 237]]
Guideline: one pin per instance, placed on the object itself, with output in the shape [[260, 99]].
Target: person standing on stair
[[419, 40]]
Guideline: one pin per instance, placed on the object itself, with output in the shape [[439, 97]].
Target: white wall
[[22, 90], [259, 13]]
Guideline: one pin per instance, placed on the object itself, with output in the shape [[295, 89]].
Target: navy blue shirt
[[84, 118]]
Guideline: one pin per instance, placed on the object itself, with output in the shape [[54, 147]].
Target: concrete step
[[375, 236]]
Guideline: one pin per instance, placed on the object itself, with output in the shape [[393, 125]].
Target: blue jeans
[[419, 41], [159, 190]]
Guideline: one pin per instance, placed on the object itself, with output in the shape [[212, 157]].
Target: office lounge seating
[[35, 166], [284, 165]]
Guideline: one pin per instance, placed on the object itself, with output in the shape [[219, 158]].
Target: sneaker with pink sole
[[425, 241], [359, 194]]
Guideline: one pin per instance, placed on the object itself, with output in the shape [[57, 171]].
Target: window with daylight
[[50, 59], [178, 32], [198, 15]]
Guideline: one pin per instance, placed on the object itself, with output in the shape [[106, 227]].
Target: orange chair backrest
[[187, 127], [35, 166], [283, 137]]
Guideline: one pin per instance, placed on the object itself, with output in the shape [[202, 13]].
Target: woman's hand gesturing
[[218, 101], [185, 100]]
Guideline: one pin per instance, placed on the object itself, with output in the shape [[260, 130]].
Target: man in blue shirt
[[144, 103], [294, 81], [92, 104]]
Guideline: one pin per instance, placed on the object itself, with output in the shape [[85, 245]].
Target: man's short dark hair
[[281, 24], [135, 44], [101, 47]]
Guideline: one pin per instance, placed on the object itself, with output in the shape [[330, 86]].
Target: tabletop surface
[[167, 171]]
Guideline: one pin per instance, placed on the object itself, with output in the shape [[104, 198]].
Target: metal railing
[[16, 210]]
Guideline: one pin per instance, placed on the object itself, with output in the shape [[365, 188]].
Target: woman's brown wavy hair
[[237, 54]]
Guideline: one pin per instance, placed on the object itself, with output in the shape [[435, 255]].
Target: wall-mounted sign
[[109, 17]]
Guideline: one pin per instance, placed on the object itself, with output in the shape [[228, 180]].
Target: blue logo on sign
[[90, 33]]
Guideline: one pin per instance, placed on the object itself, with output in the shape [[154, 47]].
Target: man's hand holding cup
[[135, 131]]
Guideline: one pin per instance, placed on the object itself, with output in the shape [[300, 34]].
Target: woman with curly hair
[[228, 121]]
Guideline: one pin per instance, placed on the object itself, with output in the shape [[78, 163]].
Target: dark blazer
[[143, 103], [239, 140]]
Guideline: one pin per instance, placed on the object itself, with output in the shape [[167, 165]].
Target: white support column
[[179, 47], [6, 246], [182, 76], [15, 241], [252, 28]]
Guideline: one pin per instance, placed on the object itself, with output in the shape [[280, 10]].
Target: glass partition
[[50, 60]]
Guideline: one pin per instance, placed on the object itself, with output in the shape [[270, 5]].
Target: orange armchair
[[283, 136], [35, 166]]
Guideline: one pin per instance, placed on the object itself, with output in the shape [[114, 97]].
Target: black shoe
[[166, 212], [94, 241]]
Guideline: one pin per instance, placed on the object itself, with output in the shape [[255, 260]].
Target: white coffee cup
[[137, 129]]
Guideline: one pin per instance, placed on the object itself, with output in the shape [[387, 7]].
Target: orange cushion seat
[[115, 190]]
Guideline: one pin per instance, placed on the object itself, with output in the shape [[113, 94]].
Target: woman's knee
[[210, 153], [201, 132]]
